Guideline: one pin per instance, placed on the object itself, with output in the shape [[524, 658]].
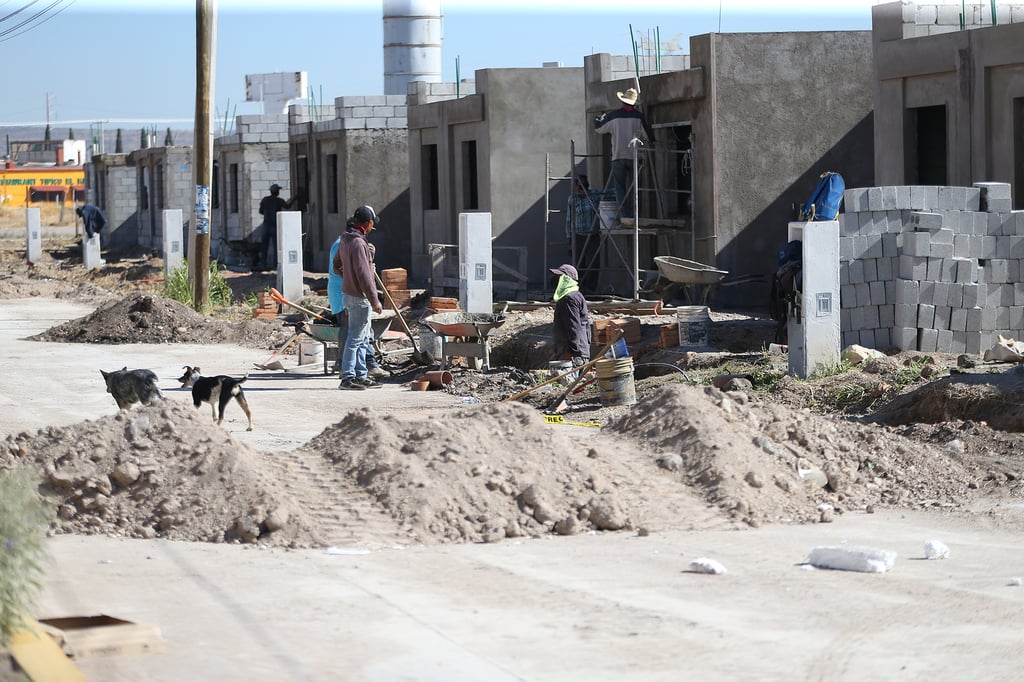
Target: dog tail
[[243, 379]]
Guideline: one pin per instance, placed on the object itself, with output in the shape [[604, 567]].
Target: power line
[[34, 21]]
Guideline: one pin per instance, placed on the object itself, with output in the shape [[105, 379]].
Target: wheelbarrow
[[327, 334], [696, 279], [465, 335]]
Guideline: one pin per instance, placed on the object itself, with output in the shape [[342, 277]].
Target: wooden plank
[[40, 657]]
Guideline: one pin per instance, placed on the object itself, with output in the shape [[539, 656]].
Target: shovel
[[276, 296], [418, 356], [272, 362]]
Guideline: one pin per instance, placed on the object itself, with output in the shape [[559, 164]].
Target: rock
[[642, 532], [707, 565], [827, 516], [855, 354], [606, 513], [965, 361], [671, 462], [592, 453], [126, 474], [544, 513], [530, 496], [754, 480], [570, 525], [277, 519], [246, 529], [738, 384]]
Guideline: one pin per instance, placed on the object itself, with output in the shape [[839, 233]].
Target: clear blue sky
[[133, 61]]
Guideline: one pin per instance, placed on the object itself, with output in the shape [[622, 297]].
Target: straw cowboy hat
[[629, 97]]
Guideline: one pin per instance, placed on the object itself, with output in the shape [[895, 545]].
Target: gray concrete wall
[[516, 117], [164, 175], [110, 180], [977, 75]]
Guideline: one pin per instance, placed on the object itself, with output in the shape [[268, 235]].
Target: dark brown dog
[[219, 389]]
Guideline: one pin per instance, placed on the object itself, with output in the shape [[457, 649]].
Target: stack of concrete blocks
[[933, 18], [933, 269], [370, 112], [422, 92], [619, 67]]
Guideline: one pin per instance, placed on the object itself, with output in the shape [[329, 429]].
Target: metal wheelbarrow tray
[[472, 328], [682, 271], [328, 333]]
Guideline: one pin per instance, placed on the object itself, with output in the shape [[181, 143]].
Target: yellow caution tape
[[559, 419]]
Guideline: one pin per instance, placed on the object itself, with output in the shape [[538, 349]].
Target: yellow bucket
[[615, 380]]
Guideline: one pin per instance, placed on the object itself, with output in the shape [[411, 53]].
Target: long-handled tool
[[559, 404], [581, 369], [276, 296], [272, 362], [418, 356]]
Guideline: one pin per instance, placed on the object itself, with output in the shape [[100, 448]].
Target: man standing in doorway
[[359, 294], [269, 207], [624, 125]]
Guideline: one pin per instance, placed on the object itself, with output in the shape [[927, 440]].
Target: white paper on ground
[[933, 549], [862, 559], [705, 565]]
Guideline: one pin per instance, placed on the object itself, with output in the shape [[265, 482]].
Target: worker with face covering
[[572, 319]]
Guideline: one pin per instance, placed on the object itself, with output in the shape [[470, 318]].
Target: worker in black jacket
[[572, 319], [624, 125]]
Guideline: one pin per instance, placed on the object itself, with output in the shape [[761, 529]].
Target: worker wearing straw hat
[[624, 125]]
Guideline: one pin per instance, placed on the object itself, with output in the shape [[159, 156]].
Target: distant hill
[[131, 138]]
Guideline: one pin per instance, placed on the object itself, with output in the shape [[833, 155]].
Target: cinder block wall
[[931, 268], [933, 18]]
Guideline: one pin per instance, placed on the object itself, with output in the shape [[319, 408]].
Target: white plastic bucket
[[310, 352], [606, 211]]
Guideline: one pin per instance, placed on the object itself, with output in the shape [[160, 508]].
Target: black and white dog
[[219, 389], [129, 386]]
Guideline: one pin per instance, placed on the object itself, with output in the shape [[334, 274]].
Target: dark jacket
[[270, 206], [571, 332], [356, 261], [93, 219]]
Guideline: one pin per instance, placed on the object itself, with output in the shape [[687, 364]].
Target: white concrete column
[[815, 340], [174, 229], [289, 254], [475, 278], [91, 257], [33, 235]]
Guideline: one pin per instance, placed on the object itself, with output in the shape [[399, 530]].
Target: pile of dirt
[[149, 318], [162, 471], [684, 458]]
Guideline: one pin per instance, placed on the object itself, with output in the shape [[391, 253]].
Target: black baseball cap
[[364, 213]]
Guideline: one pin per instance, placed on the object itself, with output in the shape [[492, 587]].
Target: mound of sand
[[149, 318]]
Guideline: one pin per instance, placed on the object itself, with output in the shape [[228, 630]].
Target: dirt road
[[607, 606]]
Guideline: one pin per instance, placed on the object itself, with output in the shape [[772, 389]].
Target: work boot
[[351, 385], [368, 383], [377, 373]]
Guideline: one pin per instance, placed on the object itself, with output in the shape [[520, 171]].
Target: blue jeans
[[622, 182], [341, 319], [353, 360]]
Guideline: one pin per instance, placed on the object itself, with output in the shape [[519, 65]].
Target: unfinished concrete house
[[486, 152], [742, 136], [163, 179], [245, 164], [111, 184], [357, 157], [932, 260]]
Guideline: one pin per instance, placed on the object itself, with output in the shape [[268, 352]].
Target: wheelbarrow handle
[[276, 296]]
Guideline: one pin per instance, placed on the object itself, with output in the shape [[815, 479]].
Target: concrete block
[[925, 316], [903, 197], [1007, 223], [959, 342], [850, 337], [942, 315], [871, 317], [870, 269], [996, 270], [1003, 246], [989, 247], [856, 318], [999, 205], [856, 271], [890, 246], [856, 199], [944, 341], [974, 295], [865, 222], [905, 315], [867, 338], [1016, 247], [987, 224], [844, 318], [886, 315], [962, 246], [1019, 215], [913, 267], [1013, 270], [1006, 294], [976, 343], [917, 198], [844, 272], [875, 202], [976, 247], [893, 221], [884, 268], [888, 198], [928, 341], [917, 244], [908, 291], [849, 225], [993, 190], [958, 319], [941, 250], [946, 201], [988, 319], [1016, 321], [847, 296], [872, 246], [973, 202], [931, 198], [883, 338], [942, 236], [934, 272], [927, 220], [1018, 293], [974, 319], [877, 295], [927, 292], [904, 338], [863, 294], [846, 248], [1002, 318], [940, 295]]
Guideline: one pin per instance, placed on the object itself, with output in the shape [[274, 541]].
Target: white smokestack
[[412, 43]]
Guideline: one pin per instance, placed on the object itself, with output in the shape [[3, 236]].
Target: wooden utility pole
[[202, 150]]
